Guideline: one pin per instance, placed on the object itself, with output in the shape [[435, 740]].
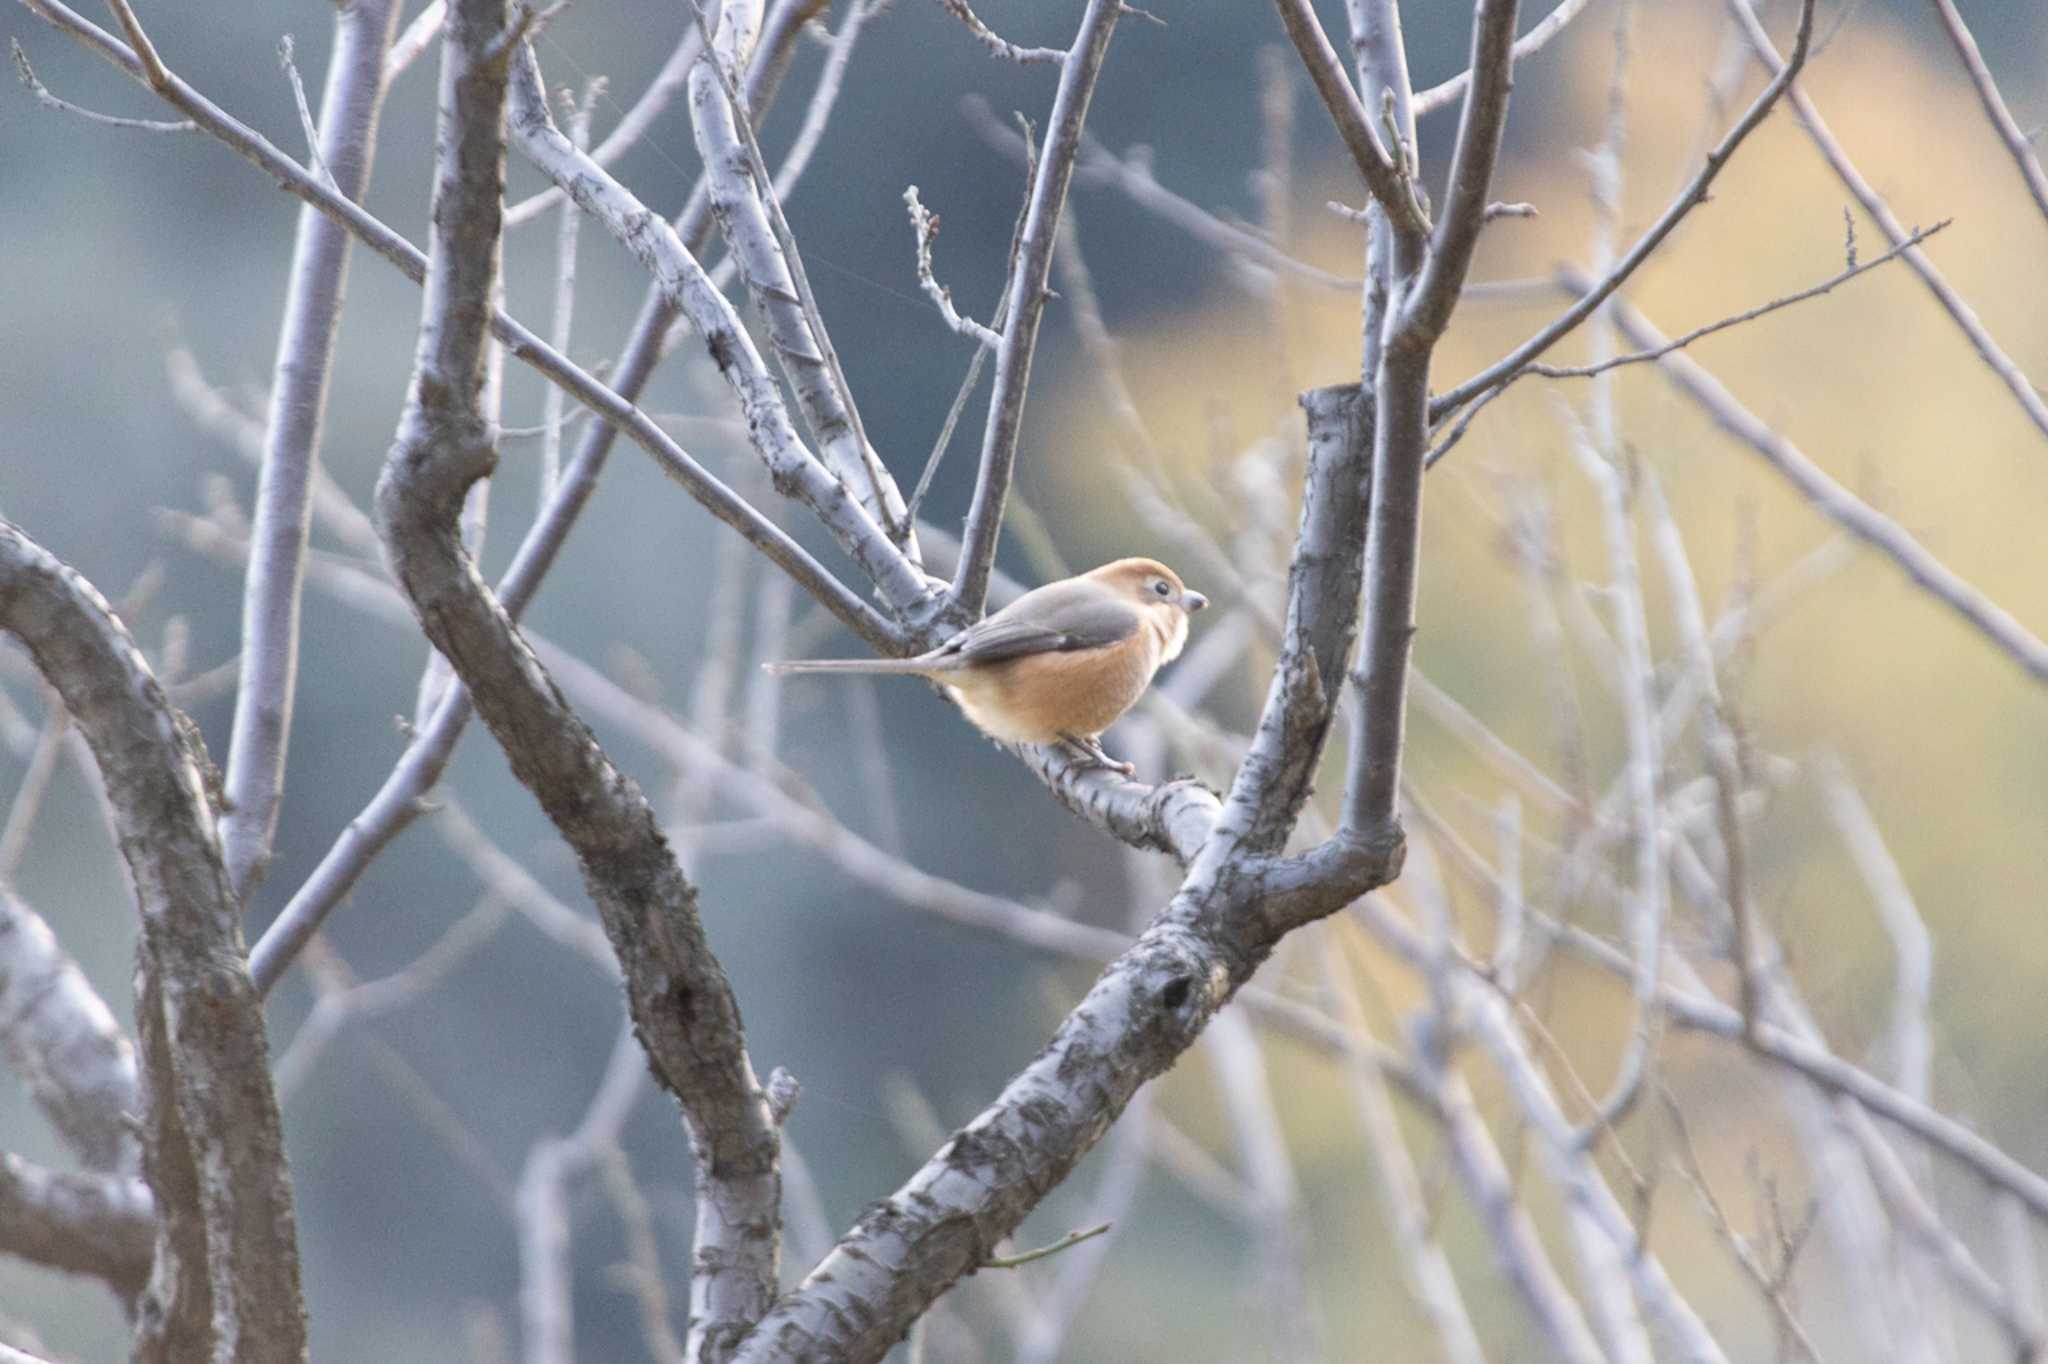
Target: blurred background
[[123, 248]]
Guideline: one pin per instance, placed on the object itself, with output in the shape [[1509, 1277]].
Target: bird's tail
[[908, 666]]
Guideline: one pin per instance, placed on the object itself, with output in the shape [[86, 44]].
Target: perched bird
[[1062, 661]]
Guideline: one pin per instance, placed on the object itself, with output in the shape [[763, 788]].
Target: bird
[[1060, 663]]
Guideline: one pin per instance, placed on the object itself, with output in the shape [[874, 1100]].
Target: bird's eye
[[1160, 588]]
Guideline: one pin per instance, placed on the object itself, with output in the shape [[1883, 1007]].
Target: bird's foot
[[1092, 747]]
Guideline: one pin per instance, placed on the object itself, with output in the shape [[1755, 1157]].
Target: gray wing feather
[[1055, 618]]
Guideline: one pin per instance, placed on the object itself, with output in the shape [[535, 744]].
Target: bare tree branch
[[65, 106], [562, 323], [759, 242], [399, 800], [545, 1265], [1419, 307], [1511, 1233], [995, 42], [1820, 1067], [1131, 173], [1965, 317], [214, 1152], [62, 1040], [681, 1004], [417, 37], [1430, 1275], [633, 124], [1693, 195], [1385, 178], [1024, 305], [1834, 501], [1323, 586], [1535, 40], [345, 1001], [521, 342], [268, 682], [690, 291], [1446, 442], [1427, 304], [924, 226], [1995, 108], [98, 1224]]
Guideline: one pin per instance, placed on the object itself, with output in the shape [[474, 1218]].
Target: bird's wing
[[1056, 618]]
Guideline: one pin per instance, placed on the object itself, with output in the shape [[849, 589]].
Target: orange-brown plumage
[[1062, 661]]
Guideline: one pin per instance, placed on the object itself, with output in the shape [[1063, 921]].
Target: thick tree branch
[[681, 1005], [1146, 1009], [215, 1150], [1278, 773], [1174, 817]]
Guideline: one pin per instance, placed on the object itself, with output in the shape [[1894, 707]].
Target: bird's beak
[[1193, 601]]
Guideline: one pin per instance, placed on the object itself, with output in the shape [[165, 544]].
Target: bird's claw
[[1093, 749]]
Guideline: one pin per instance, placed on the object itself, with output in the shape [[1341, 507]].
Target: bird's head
[[1149, 583], [1158, 592]]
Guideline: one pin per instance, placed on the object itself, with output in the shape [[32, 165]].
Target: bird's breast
[[1039, 698]]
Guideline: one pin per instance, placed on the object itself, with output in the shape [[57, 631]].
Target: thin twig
[[1025, 296], [418, 36], [1837, 503], [1694, 194], [1428, 1269], [1912, 945], [995, 42], [1384, 178], [1067, 1242], [1772, 1283], [944, 441], [65, 106], [1995, 109], [34, 786], [1535, 40], [291, 74], [1965, 317], [1636, 357], [563, 321], [924, 225]]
